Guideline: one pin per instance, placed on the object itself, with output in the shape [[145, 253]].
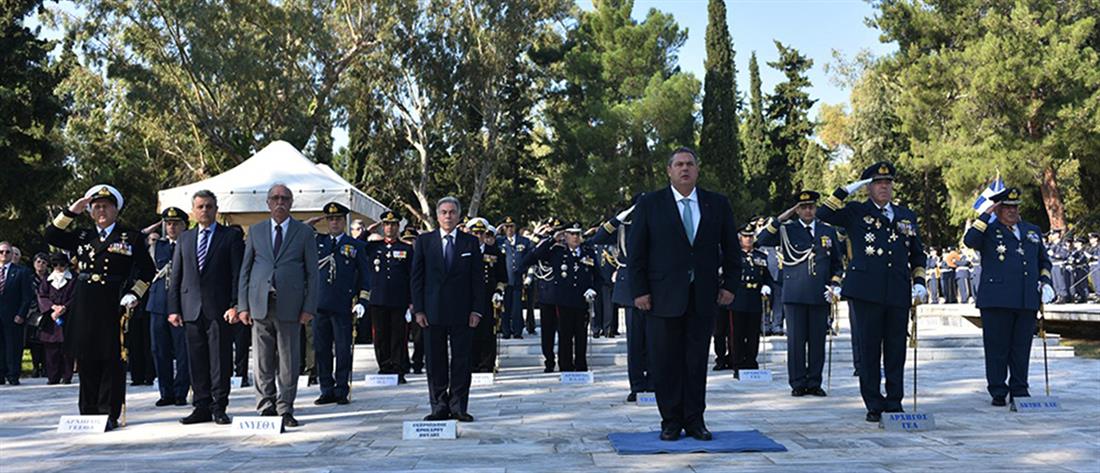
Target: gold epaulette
[[980, 225], [364, 294]]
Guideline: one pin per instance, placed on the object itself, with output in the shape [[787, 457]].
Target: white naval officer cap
[[105, 191]]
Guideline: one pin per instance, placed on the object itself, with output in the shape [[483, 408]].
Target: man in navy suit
[[1016, 281], [16, 295], [202, 298], [448, 292], [679, 238]]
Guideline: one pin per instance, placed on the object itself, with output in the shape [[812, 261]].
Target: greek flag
[[983, 203]]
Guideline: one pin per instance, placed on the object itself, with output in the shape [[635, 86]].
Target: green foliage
[[795, 161], [719, 140]]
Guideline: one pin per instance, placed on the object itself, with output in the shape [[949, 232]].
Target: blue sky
[[814, 27]]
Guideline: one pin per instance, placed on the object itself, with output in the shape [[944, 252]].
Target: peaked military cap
[[879, 170]]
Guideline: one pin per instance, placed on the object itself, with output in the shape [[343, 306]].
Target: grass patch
[[1083, 348]]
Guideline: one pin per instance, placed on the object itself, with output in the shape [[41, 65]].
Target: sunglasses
[[4, 252]]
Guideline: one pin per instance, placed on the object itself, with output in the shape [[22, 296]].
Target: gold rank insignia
[[883, 169]]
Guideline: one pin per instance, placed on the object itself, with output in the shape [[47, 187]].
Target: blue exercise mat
[[637, 443]]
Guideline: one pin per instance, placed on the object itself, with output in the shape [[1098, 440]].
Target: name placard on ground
[[1038, 404], [647, 399], [82, 424], [380, 380], [482, 379], [908, 421], [577, 377], [430, 430], [756, 376], [257, 425]]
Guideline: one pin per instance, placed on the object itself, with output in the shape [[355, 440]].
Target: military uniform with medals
[[390, 266]]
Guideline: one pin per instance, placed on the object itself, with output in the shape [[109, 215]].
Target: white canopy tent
[[242, 191]]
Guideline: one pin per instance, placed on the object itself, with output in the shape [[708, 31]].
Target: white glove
[[1048, 293], [408, 316], [832, 293], [129, 301], [527, 281], [765, 291], [590, 295], [855, 186], [358, 311], [624, 214], [920, 293], [498, 298]]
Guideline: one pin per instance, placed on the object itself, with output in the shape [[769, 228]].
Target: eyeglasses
[[4, 252], [278, 198]]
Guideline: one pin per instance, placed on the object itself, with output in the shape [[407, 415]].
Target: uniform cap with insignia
[[107, 192], [174, 213], [748, 230], [574, 227], [1009, 196], [391, 216], [879, 170], [410, 233], [808, 197], [335, 209], [508, 221], [477, 225]]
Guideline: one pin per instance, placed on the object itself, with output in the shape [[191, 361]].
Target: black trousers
[[448, 380], [242, 342], [679, 349], [572, 338], [142, 368], [548, 318], [637, 365], [853, 322], [744, 328], [722, 341], [529, 303], [484, 356], [102, 387], [332, 342], [390, 339], [883, 331], [416, 334], [806, 328], [59, 364], [363, 332], [1007, 336], [210, 352]]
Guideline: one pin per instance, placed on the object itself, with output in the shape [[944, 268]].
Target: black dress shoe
[[596, 335], [519, 336], [312, 381], [197, 416], [67, 381], [894, 409], [463, 417], [549, 369], [112, 424], [670, 434], [999, 401], [817, 392], [325, 399], [401, 379], [700, 433], [289, 421], [418, 370], [2, 381], [719, 367], [855, 373], [181, 402], [342, 400], [439, 416], [165, 402], [632, 397], [798, 392], [736, 374], [245, 383], [874, 417], [14, 381], [506, 336], [221, 419], [269, 412]]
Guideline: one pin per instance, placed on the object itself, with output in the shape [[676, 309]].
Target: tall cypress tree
[[754, 139], [718, 141], [788, 112]]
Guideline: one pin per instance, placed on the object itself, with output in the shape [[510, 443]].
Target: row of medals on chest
[[1001, 248]]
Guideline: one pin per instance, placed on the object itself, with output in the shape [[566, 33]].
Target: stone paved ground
[[528, 422]]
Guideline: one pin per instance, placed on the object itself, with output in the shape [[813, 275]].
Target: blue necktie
[[689, 220], [448, 251], [203, 244]]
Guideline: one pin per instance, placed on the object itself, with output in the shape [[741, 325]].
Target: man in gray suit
[[277, 294]]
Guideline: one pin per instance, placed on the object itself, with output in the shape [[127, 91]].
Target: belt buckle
[[96, 277]]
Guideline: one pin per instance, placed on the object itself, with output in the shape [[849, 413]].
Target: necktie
[[689, 220], [204, 242], [102, 235], [278, 238], [448, 251], [809, 231], [3, 277]]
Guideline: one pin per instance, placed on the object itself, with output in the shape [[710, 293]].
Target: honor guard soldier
[[616, 231], [342, 262], [1058, 250], [390, 266], [515, 247], [114, 270], [1077, 265], [742, 323], [812, 268], [885, 275], [571, 289], [496, 279], [1016, 281], [169, 343]]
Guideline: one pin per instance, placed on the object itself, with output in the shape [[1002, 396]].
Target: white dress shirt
[[887, 210], [210, 237], [110, 228], [693, 201]]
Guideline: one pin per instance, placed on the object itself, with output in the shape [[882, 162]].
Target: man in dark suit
[[16, 296], [679, 238], [448, 291], [884, 277], [202, 297]]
